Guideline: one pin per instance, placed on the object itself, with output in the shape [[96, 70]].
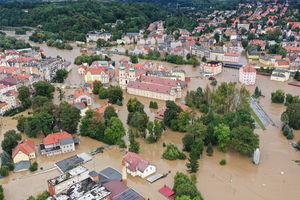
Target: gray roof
[[128, 194], [109, 174], [66, 141], [68, 163], [93, 174], [21, 166]]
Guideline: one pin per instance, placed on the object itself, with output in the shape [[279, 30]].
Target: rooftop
[[71, 173]]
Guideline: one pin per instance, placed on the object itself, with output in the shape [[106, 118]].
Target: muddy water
[[275, 178]]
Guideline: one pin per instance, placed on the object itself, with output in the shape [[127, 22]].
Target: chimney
[[124, 172]]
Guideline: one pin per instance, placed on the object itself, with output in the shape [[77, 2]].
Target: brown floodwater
[[276, 178]]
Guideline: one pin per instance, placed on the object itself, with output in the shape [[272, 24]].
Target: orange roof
[[27, 147], [2, 104], [95, 70], [248, 68], [183, 107], [80, 92], [56, 137], [138, 66], [101, 109], [258, 42], [283, 62]]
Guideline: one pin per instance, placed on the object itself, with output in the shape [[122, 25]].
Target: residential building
[[82, 95], [3, 107], [130, 38], [179, 73], [62, 182], [212, 68], [216, 55], [247, 75], [25, 151], [138, 166], [280, 75], [97, 74], [231, 57], [57, 143], [93, 36]]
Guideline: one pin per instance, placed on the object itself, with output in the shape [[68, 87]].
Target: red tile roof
[[159, 80], [101, 109], [80, 92], [294, 24], [283, 62], [248, 68], [2, 104], [150, 87], [136, 162], [56, 137], [27, 147], [95, 71], [166, 191]]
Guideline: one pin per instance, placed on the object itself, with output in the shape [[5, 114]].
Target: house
[[212, 68], [100, 110], [82, 95], [247, 75], [179, 73], [258, 42], [216, 55], [57, 143], [25, 151], [130, 38], [252, 53], [97, 74], [282, 64], [138, 166], [280, 75], [231, 57], [93, 36], [3, 107]]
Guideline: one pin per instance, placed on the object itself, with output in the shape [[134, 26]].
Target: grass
[[256, 118]]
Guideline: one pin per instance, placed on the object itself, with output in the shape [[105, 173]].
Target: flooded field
[[276, 178]]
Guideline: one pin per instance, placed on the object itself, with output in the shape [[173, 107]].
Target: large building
[[280, 75], [138, 166], [247, 75], [57, 143], [212, 68]]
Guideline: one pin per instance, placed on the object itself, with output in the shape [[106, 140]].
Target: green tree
[[68, 117], [61, 93], [244, 140], [1, 193], [39, 122], [21, 123], [134, 145], [134, 105], [217, 37], [292, 113], [138, 120], [134, 59], [184, 186], [155, 130], [60, 76], [43, 88], [114, 93], [102, 43], [173, 153], [245, 43], [10, 141], [210, 149], [297, 76], [223, 135], [103, 93], [39, 101], [278, 96], [109, 113], [96, 87], [4, 171], [24, 96], [198, 130], [115, 131]]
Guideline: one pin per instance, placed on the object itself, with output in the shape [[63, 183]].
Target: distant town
[[164, 111]]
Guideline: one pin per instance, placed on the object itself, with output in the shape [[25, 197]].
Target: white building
[[138, 166], [247, 75], [280, 75], [231, 57]]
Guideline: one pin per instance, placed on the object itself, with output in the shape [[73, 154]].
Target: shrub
[[297, 146], [290, 135], [223, 162], [33, 167], [210, 149], [173, 153], [4, 171], [153, 105]]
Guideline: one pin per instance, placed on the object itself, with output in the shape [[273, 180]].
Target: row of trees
[[279, 96], [7, 42], [185, 187]]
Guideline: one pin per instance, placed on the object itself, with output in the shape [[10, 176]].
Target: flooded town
[[77, 142]]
